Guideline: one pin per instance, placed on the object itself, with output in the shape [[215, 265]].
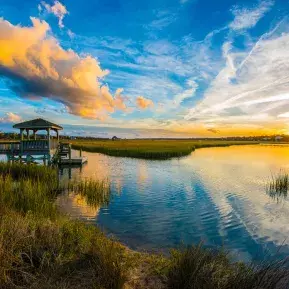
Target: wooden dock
[[72, 161]]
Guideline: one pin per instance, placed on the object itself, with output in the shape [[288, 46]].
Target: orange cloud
[[11, 117], [37, 66], [143, 103]]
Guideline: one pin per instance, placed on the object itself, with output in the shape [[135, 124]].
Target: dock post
[[69, 173], [80, 152], [69, 151]]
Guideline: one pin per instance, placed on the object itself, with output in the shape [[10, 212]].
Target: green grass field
[[150, 149]]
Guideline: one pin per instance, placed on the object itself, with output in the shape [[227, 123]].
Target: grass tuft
[[200, 268], [278, 186], [96, 193]]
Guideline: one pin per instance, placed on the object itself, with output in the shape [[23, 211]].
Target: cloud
[[35, 66], [58, 9], [253, 86], [162, 20], [213, 130], [143, 103], [245, 18], [187, 93], [11, 117]]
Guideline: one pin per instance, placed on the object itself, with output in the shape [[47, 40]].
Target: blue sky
[[151, 68]]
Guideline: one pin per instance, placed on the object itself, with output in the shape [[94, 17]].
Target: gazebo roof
[[38, 123]]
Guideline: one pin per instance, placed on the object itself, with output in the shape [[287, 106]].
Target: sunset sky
[[154, 68]]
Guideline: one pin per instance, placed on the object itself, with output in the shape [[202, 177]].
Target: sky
[[155, 68]]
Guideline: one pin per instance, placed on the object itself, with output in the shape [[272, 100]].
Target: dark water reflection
[[215, 195]]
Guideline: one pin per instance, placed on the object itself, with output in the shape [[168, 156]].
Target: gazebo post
[[48, 137], [21, 133], [27, 131], [34, 134]]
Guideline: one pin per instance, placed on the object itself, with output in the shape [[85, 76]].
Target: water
[[215, 195]]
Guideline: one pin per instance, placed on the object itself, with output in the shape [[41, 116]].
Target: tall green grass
[[19, 171], [278, 186], [41, 248], [200, 268], [96, 193], [26, 195], [40, 253]]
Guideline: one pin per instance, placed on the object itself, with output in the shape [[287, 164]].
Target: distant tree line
[[285, 138]]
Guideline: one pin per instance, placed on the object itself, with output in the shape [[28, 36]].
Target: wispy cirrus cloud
[[162, 20], [252, 87], [245, 18]]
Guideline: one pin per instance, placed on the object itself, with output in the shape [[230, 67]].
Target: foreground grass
[[42, 248], [150, 149]]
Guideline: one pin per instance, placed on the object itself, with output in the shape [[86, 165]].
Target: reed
[[96, 193], [196, 267], [42, 248], [278, 185], [19, 171], [27, 195]]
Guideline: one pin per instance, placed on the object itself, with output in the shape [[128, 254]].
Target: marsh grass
[[277, 187], [40, 253], [27, 195], [199, 268], [32, 171], [97, 193], [150, 149], [42, 248]]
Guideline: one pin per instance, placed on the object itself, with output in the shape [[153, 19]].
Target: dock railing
[[28, 147], [10, 147], [34, 146]]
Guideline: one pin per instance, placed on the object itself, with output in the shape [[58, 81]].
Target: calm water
[[215, 195]]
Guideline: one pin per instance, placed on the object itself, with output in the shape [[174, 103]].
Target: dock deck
[[72, 161]]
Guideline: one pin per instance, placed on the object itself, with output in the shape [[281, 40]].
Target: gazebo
[[40, 146], [36, 125], [27, 149]]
